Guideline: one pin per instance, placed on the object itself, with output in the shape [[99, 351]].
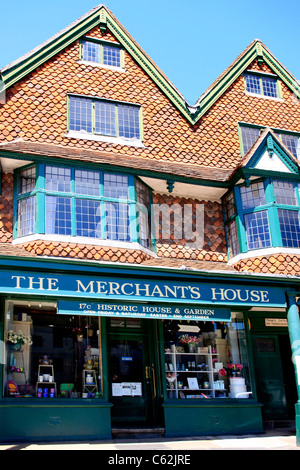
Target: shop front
[[88, 349]]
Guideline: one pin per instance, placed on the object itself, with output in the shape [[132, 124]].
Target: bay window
[[65, 201], [263, 214]]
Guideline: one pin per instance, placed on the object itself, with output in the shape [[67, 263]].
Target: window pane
[[252, 84], [58, 215], [144, 231], [27, 181], [26, 216], [90, 51], [87, 182], [111, 56], [142, 194], [129, 121], [203, 364], [53, 354], [253, 196], [81, 114], [289, 227], [115, 186], [269, 86], [249, 137], [292, 143], [232, 238], [58, 179], [117, 221], [88, 218], [284, 192], [258, 231], [105, 118]]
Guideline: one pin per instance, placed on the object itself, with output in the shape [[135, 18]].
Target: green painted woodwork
[[194, 419], [59, 420]]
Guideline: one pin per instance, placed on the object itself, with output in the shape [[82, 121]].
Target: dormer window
[[262, 85], [101, 52], [106, 120]]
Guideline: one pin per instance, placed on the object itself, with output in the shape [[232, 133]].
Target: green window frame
[[81, 202], [106, 118], [262, 84], [262, 214], [93, 50]]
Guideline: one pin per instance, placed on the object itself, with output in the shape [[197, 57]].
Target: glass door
[[130, 379]]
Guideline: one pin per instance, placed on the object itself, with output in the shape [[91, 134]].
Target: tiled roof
[[101, 157], [7, 249]]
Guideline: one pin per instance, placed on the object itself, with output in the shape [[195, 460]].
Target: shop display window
[[50, 355], [206, 360]]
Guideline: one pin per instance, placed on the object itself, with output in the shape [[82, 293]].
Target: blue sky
[[192, 41]]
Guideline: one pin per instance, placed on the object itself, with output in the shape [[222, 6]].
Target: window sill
[[102, 66], [264, 252], [102, 138], [256, 95], [84, 241]]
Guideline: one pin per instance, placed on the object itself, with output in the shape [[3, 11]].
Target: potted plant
[[15, 340]]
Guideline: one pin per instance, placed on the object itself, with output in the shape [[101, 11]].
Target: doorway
[[133, 374], [275, 376]]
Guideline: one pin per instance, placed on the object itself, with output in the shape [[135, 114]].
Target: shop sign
[[120, 289], [143, 311]]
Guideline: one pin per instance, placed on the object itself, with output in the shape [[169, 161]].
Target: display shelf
[[191, 374], [46, 388], [89, 381]]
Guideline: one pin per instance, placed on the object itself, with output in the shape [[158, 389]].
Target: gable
[[104, 19], [271, 155]]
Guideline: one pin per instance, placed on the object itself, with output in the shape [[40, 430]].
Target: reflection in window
[[206, 362], [60, 359], [253, 196], [85, 203], [107, 118], [289, 227], [258, 231]]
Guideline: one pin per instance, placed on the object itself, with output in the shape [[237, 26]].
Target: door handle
[[147, 372]]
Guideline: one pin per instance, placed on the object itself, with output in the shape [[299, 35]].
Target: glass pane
[[105, 118], [127, 367], [26, 216], [203, 359], [59, 355], [129, 121], [81, 114], [115, 186], [111, 56], [27, 181], [90, 51], [253, 196], [58, 215], [58, 179], [142, 194], [87, 182], [144, 230], [258, 231], [292, 143], [249, 137], [117, 221], [232, 238], [229, 205], [252, 84], [88, 218], [289, 227], [265, 345], [269, 86], [284, 192]]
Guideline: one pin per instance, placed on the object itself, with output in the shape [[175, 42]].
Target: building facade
[[149, 249]]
